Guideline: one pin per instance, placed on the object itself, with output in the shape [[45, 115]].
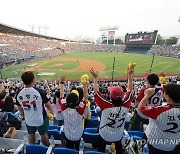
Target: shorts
[[41, 129]]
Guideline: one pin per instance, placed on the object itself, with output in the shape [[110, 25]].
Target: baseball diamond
[[77, 63]]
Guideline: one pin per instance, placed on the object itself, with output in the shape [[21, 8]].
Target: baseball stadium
[[75, 64], [110, 94]]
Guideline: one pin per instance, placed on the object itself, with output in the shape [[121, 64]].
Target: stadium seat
[[55, 121], [65, 151], [91, 130], [55, 133], [92, 123], [51, 127], [90, 135], [92, 107], [93, 152], [34, 148], [93, 113], [137, 135]]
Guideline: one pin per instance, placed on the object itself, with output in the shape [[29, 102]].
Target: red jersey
[[154, 100], [112, 118]]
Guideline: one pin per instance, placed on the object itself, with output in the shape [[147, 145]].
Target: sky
[[83, 18]]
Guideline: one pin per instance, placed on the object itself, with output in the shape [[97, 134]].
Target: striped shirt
[[154, 100], [112, 118], [163, 131], [73, 127]]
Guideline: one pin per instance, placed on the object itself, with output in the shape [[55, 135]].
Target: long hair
[[57, 94]]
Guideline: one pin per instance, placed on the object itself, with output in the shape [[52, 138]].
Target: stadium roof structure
[[13, 30]]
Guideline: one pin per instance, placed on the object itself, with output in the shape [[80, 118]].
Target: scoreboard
[[141, 38]]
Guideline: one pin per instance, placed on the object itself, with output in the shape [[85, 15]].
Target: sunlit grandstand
[[113, 89]]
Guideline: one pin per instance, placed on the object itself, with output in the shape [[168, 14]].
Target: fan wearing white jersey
[[72, 111], [31, 103], [163, 131], [114, 112], [156, 99]]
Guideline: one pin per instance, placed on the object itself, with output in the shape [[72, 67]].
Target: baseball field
[[73, 65]]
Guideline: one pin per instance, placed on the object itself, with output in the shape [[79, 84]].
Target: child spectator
[[72, 111]]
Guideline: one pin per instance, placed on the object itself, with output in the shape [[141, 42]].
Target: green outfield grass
[[165, 64]]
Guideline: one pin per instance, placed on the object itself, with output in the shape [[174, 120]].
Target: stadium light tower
[[39, 29], [32, 27], [43, 28], [46, 28], [109, 32]]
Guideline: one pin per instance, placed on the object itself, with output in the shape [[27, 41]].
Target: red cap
[[116, 92], [147, 74]]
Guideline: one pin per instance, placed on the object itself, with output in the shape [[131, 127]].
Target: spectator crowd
[[166, 50], [118, 101], [89, 47], [14, 48]]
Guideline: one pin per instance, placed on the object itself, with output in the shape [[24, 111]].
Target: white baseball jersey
[[154, 100], [73, 127], [112, 118], [32, 101], [163, 131]]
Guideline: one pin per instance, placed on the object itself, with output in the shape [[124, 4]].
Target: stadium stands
[[33, 148], [17, 48], [89, 47], [166, 50], [90, 133]]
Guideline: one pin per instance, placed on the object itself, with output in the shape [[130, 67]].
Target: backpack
[[14, 122], [3, 128]]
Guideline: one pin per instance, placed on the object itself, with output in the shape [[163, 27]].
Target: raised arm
[[62, 79], [85, 92], [95, 76], [130, 79], [148, 93]]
